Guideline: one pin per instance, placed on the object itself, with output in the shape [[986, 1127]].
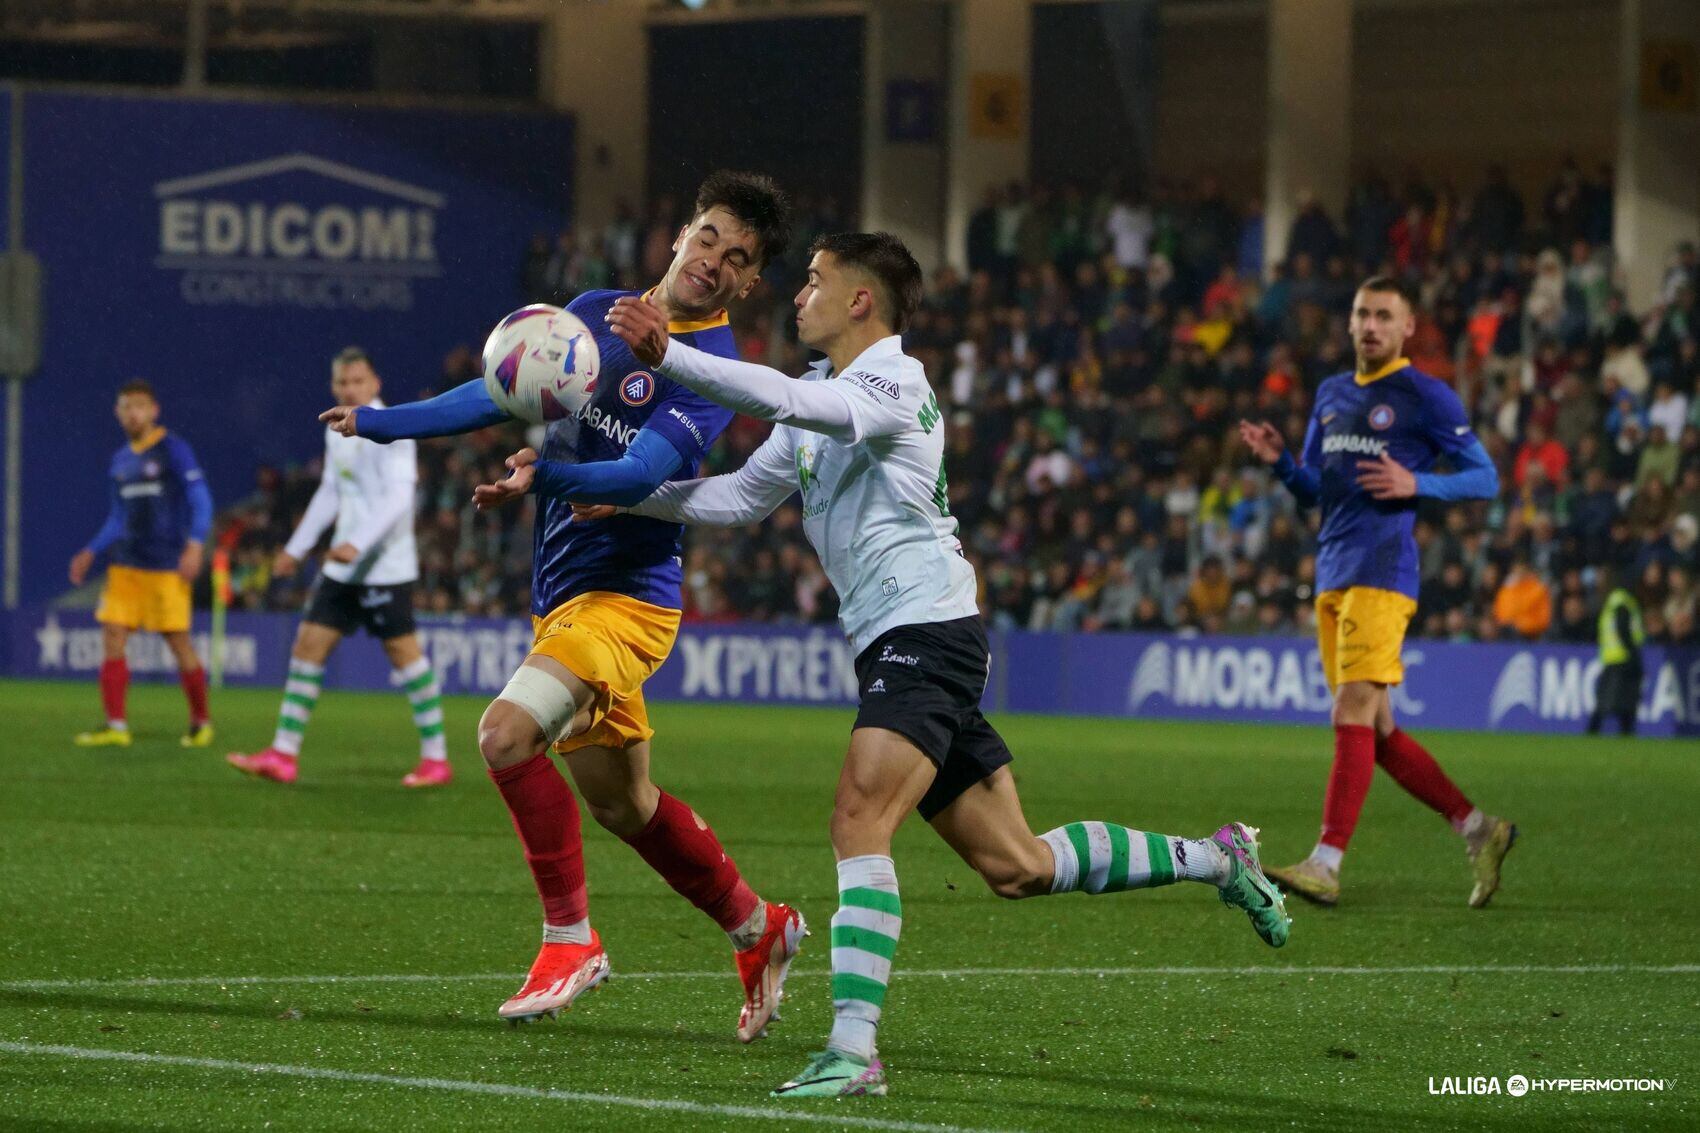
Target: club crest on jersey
[[637, 387], [150, 469], [1381, 417]]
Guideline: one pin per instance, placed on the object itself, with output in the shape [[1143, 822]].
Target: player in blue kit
[[153, 539], [1374, 437], [605, 610]]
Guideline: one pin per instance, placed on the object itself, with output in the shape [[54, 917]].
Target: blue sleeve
[[460, 410], [113, 529], [690, 423], [1476, 478], [1304, 480], [648, 461], [1445, 424], [195, 490]]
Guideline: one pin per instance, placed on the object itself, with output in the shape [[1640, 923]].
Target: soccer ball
[[541, 364]]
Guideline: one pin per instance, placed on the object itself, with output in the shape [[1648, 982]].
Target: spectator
[[1523, 602], [1545, 451]]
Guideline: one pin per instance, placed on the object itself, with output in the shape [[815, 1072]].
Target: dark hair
[[1391, 285], [138, 386], [755, 200], [349, 356], [888, 260]]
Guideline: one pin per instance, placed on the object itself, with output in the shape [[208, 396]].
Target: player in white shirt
[[366, 492], [862, 439]]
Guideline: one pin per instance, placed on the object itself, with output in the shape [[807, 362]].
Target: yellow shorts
[[612, 643], [1360, 632], [156, 600]]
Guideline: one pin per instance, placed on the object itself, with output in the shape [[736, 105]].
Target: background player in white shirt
[[367, 492], [861, 437]]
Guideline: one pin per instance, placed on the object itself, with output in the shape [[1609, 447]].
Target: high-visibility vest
[[1613, 649]]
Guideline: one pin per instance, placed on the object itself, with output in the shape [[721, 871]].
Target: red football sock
[[195, 691], [114, 681], [1414, 769], [684, 851], [546, 817], [1348, 783]]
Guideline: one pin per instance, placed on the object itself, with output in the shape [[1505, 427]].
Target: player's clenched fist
[[642, 326]]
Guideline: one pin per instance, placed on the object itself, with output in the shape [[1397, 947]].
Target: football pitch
[[185, 948]]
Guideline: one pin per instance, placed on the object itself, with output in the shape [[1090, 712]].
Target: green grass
[[158, 862]]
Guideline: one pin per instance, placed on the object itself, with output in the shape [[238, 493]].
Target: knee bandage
[[545, 699]]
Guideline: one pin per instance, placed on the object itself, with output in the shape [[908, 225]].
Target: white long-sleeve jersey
[[866, 450], [367, 491]]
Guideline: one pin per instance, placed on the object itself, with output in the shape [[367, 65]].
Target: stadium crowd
[[1095, 357]]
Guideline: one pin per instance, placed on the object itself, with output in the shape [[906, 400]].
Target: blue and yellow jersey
[[159, 502], [1401, 411], [627, 554]]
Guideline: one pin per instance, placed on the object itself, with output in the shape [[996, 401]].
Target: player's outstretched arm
[[647, 462], [460, 410], [748, 495], [746, 387]]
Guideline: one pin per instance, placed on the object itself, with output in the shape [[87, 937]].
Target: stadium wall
[[1445, 88], [232, 247], [1524, 688]]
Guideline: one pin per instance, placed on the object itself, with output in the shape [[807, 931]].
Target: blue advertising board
[[226, 249], [1522, 688]]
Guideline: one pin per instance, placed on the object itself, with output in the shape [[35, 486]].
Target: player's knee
[[1356, 703], [507, 735], [858, 821]]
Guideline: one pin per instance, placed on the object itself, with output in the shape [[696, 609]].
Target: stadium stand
[[1095, 357]]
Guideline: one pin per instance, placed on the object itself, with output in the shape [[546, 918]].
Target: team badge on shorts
[[1381, 417], [637, 388]]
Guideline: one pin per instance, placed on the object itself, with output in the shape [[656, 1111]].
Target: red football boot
[[763, 967], [561, 973]]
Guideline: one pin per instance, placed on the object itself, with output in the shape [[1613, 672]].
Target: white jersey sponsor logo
[[1351, 442]]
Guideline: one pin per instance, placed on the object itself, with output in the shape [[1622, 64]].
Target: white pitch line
[[917, 973], [498, 1089]]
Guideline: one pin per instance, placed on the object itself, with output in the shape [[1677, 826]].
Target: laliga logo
[[240, 238]]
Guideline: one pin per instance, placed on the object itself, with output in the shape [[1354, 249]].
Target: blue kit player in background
[[153, 542], [605, 611], [1373, 439]]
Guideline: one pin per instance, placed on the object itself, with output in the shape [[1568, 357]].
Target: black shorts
[[924, 682], [1618, 690], [384, 611]]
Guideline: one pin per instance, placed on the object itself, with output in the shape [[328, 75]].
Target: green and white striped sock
[[864, 939], [426, 697], [300, 694], [1101, 857]]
